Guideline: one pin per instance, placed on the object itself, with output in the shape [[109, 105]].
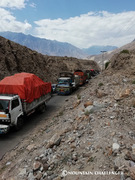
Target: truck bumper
[[4, 129], [63, 92]]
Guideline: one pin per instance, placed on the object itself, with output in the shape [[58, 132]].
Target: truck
[[20, 95], [67, 83], [94, 72], [88, 72], [82, 76]]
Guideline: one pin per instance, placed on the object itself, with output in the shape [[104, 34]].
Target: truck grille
[[5, 121]]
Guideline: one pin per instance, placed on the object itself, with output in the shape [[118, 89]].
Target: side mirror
[[6, 111]]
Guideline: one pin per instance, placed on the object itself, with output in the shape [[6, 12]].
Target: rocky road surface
[[92, 136]]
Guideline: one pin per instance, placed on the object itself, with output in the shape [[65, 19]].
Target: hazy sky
[[82, 23]]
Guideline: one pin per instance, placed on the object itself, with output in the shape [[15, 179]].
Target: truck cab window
[[15, 103], [3, 104]]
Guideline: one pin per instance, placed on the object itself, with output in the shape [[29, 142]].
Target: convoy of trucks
[[25, 93], [68, 82], [20, 95]]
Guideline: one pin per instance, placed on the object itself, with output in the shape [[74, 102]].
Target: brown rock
[[125, 93], [130, 156], [100, 93], [73, 146], [132, 172], [38, 176], [37, 165], [88, 103], [55, 140], [30, 147], [77, 103], [133, 102], [45, 166]]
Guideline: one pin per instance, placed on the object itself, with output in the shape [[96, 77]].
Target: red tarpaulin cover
[[28, 86]]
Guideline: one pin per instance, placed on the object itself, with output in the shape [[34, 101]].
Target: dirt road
[[10, 140]]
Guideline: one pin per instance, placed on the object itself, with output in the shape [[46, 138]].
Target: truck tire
[[41, 108], [19, 124], [70, 91]]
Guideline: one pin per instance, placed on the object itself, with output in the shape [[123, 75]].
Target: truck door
[[16, 109]]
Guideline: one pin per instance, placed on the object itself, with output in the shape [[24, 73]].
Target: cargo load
[[28, 86]]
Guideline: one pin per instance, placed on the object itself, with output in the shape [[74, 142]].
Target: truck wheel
[[42, 108], [71, 91], [19, 124]]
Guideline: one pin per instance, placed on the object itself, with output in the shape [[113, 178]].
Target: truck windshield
[[63, 81], [4, 104]]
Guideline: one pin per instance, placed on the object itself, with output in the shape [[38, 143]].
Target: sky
[[82, 23]]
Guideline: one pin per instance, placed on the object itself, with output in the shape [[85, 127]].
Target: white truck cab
[[10, 112], [13, 109]]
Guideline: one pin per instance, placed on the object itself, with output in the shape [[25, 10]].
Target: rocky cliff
[[15, 58]]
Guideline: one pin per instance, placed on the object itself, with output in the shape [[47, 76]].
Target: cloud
[[33, 5], [19, 4], [9, 23], [100, 28]]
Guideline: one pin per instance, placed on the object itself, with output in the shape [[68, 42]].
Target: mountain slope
[[15, 58], [94, 50], [44, 46], [104, 57]]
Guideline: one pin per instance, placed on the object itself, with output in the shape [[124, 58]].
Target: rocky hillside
[[108, 55], [15, 58], [92, 136], [123, 62]]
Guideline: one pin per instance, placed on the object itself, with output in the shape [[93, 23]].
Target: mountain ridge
[[106, 56], [95, 50], [45, 46], [53, 47]]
